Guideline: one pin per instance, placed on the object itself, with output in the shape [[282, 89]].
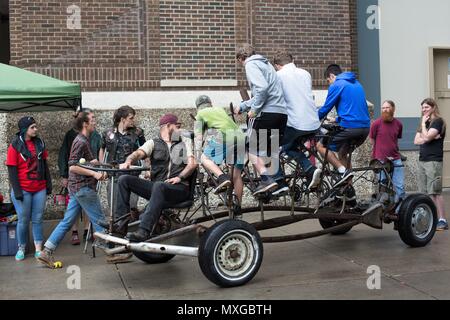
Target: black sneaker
[[344, 177], [237, 210], [314, 179], [138, 236], [282, 188], [266, 185], [350, 196], [223, 182]]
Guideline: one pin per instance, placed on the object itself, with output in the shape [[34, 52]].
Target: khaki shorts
[[430, 177]]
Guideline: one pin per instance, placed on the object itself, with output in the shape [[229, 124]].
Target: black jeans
[[161, 196]]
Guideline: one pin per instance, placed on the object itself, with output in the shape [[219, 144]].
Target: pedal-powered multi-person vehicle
[[230, 250]]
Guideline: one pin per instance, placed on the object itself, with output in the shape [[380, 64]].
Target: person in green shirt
[[225, 141]]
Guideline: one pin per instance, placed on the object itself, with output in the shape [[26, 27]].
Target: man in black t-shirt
[[430, 137]]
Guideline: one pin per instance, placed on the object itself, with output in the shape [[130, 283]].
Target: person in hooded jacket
[[30, 180], [348, 96], [267, 113]]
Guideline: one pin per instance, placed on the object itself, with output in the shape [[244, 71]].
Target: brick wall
[[316, 32], [197, 39], [133, 44]]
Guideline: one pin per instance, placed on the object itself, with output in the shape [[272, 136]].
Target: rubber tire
[[325, 223], [153, 258], [405, 215], [207, 252]]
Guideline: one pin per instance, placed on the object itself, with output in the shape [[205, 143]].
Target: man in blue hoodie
[[267, 111], [348, 96]]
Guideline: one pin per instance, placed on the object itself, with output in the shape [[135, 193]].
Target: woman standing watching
[[30, 180], [430, 137]]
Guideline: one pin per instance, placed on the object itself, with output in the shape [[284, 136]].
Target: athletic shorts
[[268, 128], [347, 137], [219, 152]]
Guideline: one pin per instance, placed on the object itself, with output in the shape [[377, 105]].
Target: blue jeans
[[86, 199], [398, 179], [30, 208]]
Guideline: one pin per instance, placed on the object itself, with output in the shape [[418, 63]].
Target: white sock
[[341, 169]]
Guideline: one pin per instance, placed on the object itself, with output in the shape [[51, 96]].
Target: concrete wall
[[408, 29], [54, 125]]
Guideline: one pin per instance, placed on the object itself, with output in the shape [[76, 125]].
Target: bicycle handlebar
[[107, 167]]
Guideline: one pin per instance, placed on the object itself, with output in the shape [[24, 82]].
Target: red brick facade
[[134, 44]]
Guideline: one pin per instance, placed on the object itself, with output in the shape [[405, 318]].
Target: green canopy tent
[[26, 91]]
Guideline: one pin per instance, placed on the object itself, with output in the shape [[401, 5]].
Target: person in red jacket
[[30, 180]]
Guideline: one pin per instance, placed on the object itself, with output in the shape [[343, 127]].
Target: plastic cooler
[[8, 239]]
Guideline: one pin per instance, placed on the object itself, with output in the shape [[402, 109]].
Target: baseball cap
[[168, 118], [203, 101]]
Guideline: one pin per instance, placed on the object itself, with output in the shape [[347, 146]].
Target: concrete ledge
[[143, 100], [199, 83]]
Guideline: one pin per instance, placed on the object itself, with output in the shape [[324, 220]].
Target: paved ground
[[328, 267]]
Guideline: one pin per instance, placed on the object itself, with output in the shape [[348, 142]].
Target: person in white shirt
[[303, 119]]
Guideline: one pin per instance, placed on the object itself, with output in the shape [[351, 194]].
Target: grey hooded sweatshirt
[[266, 88]]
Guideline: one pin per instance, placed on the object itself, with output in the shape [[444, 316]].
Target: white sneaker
[[315, 180]]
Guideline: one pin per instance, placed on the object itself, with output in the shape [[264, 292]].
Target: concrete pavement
[[328, 267]]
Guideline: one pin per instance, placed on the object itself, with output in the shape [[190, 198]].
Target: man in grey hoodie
[[267, 113]]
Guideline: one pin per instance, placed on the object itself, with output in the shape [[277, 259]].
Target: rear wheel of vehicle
[[417, 220], [153, 258], [230, 253], [350, 194], [329, 223], [312, 198]]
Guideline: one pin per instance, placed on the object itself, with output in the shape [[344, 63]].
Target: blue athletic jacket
[[348, 95]]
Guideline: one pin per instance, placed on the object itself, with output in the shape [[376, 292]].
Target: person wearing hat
[[30, 181], [172, 163], [222, 146]]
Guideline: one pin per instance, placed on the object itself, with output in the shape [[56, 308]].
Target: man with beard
[[384, 135], [172, 162]]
